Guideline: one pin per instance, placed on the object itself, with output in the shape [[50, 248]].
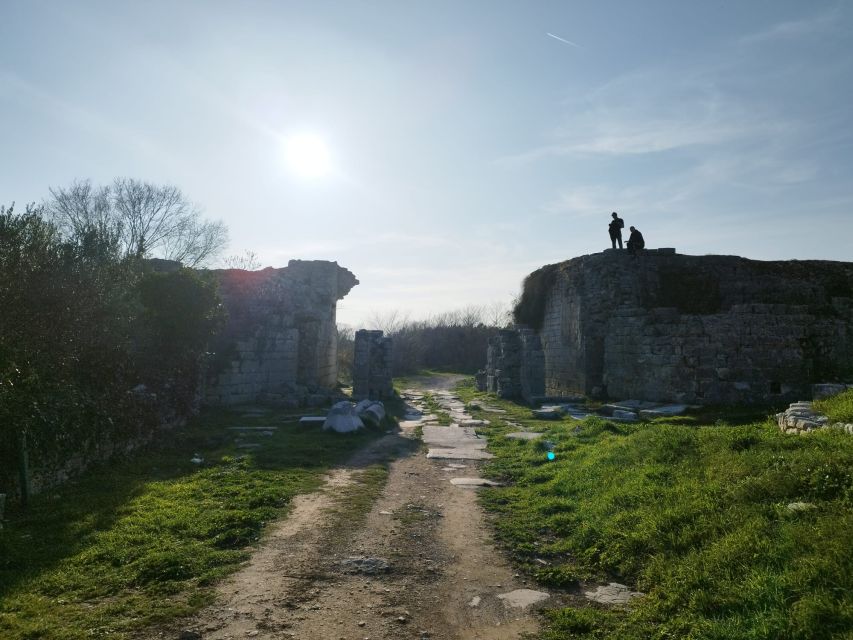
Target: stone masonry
[[371, 375], [697, 329], [279, 343], [515, 364]]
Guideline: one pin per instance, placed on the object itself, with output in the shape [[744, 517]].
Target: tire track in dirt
[[443, 571]]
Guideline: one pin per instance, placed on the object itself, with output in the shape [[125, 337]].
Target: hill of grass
[[731, 531]]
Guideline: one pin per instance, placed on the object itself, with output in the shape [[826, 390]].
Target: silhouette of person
[[635, 241], [615, 227]]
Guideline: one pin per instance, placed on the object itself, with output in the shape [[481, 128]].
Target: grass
[[145, 539], [694, 514], [837, 408]]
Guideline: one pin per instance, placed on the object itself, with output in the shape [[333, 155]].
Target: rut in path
[[421, 565]]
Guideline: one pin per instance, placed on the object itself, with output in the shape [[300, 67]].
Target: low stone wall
[[800, 418], [372, 359], [280, 340]]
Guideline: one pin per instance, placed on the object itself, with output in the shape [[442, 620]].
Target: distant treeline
[[96, 349], [450, 341]]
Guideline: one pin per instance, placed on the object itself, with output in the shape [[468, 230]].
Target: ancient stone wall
[[699, 329], [372, 359], [515, 364], [280, 340]]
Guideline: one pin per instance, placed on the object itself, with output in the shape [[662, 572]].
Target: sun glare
[[307, 155]]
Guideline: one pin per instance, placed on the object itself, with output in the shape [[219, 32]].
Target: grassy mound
[[704, 519]]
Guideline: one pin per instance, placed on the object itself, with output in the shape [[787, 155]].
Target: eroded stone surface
[[524, 435], [523, 597], [364, 565], [613, 594], [474, 482], [459, 454]]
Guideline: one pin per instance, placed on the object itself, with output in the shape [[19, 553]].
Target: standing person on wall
[[615, 228]]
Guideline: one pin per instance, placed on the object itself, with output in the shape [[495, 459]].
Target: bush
[[82, 326]]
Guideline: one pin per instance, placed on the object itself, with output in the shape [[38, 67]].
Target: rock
[[188, 634], [474, 482], [613, 593], [624, 415], [549, 413], [342, 418], [474, 602], [800, 506], [800, 417], [370, 411], [523, 597], [365, 565], [459, 454], [665, 410], [524, 435]]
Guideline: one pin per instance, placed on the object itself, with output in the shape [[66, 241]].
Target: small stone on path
[[475, 602], [367, 566]]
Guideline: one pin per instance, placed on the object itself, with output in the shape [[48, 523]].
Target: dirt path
[[422, 564]]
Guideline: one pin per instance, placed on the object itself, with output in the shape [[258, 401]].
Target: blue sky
[[469, 147]]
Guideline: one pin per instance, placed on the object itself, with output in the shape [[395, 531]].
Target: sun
[[307, 155]]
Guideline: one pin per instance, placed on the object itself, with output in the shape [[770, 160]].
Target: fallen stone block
[[522, 598], [524, 435], [624, 415], [666, 410], [474, 482], [613, 593], [342, 418], [549, 413], [459, 453]]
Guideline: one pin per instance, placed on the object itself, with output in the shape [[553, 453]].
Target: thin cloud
[[556, 37], [791, 29]]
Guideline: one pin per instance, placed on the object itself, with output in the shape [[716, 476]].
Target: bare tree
[[248, 261], [150, 220]]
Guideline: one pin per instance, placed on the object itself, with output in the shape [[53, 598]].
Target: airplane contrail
[[563, 40]]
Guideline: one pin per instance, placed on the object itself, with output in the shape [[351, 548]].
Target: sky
[[469, 142]]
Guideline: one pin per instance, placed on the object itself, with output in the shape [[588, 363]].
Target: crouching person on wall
[[635, 241]]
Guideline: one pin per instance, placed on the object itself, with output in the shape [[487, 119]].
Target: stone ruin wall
[[372, 360], [696, 329], [515, 365], [279, 343]]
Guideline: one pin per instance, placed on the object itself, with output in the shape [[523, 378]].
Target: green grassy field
[[692, 511], [142, 540]]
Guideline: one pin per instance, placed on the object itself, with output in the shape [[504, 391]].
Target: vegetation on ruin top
[[142, 540], [730, 531]]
